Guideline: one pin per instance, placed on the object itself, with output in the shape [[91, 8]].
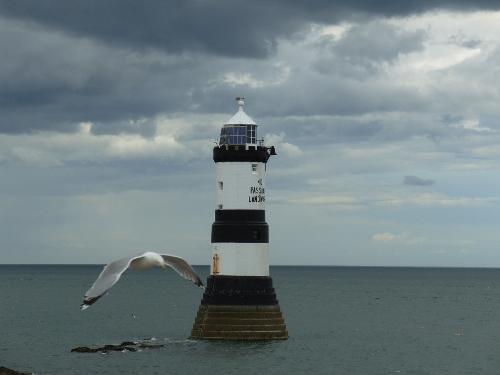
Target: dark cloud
[[145, 128], [334, 95], [306, 131], [50, 81], [375, 42], [462, 40], [417, 181], [230, 28], [223, 27], [364, 49], [116, 63]]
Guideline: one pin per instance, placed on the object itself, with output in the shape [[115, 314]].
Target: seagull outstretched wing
[[110, 274], [113, 271], [182, 268]]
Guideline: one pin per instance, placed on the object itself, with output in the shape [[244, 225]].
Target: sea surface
[[341, 320]]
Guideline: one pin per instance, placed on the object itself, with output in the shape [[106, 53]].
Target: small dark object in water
[[128, 346], [8, 371], [127, 343]]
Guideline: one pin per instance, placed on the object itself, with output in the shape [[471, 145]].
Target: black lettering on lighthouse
[[257, 190], [257, 199], [257, 194]]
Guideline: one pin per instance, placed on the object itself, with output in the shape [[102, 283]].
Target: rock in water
[[8, 371], [126, 346]]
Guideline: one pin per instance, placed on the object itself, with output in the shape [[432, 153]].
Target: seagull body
[[113, 271], [147, 261]]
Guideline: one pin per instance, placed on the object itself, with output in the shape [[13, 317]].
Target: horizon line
[[275, 265]]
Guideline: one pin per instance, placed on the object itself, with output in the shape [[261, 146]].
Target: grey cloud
[[78, 178], [367, 45], [464, 41], [223, 28], [491, 121], [417, 181], [308, 131], [324, 129], [50, 81], [229, 28], [462, 80], [145, 128], [470, 43], [349, 124], [451, 119], [334, 95]]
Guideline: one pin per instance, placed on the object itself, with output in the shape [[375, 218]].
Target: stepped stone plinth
[[245, 322]]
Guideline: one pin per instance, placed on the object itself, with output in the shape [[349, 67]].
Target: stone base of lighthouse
[[239, 308]]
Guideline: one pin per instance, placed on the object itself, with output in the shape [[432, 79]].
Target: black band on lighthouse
[[240, 232], [257, 154], [239, 290], [240, 226], [242, 216]]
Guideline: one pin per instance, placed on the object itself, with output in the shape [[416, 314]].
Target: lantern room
[[240, 129]]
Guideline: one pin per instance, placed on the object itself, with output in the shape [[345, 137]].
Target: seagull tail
[[87, 301], [84, 306]]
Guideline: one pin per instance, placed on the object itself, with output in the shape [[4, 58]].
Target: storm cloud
[[116, 63], [109, 112], [230, 28]]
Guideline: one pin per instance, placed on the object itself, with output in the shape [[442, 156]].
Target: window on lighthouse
[[238, 134], [254, 168], [251, 133], [221, 185], [233, 135]]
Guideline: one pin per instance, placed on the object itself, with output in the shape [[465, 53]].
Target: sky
[[385, 116]]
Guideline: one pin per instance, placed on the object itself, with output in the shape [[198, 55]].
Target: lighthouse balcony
[[243, 153]]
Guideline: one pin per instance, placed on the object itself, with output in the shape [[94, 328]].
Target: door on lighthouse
[[215, 264]]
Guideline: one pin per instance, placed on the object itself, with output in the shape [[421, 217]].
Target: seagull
[[113, 271]]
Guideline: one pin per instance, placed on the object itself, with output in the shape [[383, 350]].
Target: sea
[[341, 320]]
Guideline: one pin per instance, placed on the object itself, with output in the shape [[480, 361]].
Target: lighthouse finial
[[241, 101]]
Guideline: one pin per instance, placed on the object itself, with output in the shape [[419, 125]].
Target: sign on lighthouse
[[239, 301]]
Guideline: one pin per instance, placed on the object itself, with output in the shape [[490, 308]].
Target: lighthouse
[[239, 302]]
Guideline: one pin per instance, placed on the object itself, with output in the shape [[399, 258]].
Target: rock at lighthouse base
[[234, 322]]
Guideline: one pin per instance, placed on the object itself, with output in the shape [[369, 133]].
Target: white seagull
[[112, 272]]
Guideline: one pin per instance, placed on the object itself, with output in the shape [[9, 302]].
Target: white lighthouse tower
[[239, 301]]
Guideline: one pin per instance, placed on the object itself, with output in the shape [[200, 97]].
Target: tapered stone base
[[239, 322], [239, 308]]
